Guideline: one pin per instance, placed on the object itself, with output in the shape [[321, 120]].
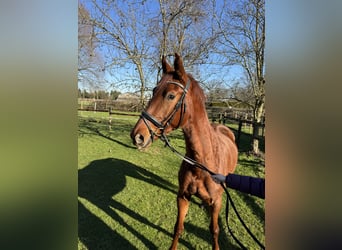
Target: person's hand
[[218, 178]]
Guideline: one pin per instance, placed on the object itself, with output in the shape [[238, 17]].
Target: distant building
[[128, 98]]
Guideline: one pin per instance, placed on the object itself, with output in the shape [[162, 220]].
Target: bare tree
[[242, 28], [135, 35], [184, 27], [90, 63], [215, 90], [121, 29]]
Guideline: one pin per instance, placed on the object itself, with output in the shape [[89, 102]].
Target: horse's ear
[[166, 67], [179, 68]]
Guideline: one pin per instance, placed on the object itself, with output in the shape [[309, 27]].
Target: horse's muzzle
[[140, 140]]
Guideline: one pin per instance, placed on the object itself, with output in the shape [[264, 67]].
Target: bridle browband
[[162, 125]]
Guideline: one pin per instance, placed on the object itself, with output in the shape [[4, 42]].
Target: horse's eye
[[171, 97]]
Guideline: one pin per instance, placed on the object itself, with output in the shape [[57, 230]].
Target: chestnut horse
[[178, 101]]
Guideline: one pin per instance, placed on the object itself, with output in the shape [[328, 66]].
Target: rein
[[184, 157]]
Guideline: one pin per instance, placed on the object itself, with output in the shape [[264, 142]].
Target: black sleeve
[[247, 184]]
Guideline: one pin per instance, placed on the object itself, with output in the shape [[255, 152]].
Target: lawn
[[127, 198]]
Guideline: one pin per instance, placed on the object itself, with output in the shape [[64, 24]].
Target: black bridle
[[162, 125]]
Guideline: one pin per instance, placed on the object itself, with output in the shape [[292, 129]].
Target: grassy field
[[127, 198]]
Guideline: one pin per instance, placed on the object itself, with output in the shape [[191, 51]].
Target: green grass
[[127, 198]]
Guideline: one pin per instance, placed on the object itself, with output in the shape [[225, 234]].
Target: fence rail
[[103, 105]]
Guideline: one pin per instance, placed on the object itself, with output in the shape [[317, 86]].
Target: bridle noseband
[[145, 116]]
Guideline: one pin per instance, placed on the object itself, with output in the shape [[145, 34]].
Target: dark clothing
[[247, 184]]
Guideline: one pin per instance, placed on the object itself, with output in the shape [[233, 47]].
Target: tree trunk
[[258, 114], [142, 86]]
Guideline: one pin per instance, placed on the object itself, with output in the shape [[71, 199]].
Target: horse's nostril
[[139, 139]]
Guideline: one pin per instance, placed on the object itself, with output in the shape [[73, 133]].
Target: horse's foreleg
[[183, 206], [214, 227]]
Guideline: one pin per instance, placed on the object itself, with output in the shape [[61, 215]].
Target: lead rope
[[229, 198], [184, 157], [201, 166]]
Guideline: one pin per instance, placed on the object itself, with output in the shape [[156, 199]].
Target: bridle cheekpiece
[[161, 126]]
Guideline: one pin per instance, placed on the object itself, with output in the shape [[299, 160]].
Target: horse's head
[[167, 109]]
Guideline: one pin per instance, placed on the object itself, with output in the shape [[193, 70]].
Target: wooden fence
[[102, 105], [223, 115], [243, 118]]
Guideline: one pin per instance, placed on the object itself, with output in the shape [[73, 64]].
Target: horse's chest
[[192, 187], [193, 181]]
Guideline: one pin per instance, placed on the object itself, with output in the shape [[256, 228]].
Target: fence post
[[239, 133], [246, 117], [110, 118]]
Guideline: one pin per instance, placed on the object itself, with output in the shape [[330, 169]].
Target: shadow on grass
[[88, 128], [251, 201], [98, 183], [257, 166], [224, 241]]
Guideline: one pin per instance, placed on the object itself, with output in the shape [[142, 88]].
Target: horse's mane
[[197, 92]]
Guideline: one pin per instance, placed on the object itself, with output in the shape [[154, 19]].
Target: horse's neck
[[198, 136]]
